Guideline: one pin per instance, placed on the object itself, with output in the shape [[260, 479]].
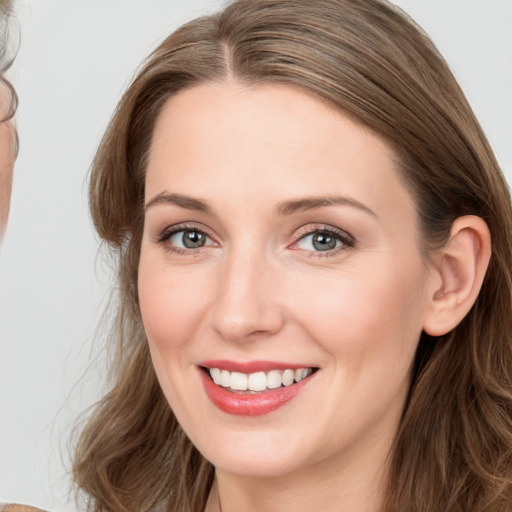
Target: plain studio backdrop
[[74, 61]]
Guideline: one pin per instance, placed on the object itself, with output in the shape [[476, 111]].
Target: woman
[[8, 149], [301, 205], [8, 102]]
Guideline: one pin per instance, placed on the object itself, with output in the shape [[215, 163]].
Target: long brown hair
[[453, 450]]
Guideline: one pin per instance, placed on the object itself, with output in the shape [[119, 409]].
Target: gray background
[[75, 60]]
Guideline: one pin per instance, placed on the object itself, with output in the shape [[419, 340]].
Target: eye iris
[[324, 242], [193, 239]]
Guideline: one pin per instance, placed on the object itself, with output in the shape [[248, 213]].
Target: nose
[[246, 306]]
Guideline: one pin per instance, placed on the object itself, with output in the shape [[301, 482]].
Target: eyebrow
[[284, 208], [187, 202], [310, 203]]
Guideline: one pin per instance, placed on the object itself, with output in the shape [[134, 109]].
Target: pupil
[[193, 239], [323, 242]]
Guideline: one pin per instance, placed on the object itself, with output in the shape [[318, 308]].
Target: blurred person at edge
[[8, 150], [8, 102]]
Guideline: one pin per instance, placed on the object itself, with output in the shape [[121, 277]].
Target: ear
[[457, 272]]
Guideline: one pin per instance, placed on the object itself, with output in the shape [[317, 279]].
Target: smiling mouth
[[257, 382]]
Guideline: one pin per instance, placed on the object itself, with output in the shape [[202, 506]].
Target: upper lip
[[251, 366]]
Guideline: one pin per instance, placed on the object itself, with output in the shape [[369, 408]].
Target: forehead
[[269, 139]]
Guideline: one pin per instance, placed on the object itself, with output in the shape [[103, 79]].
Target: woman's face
[[279, 242], [7, 156]]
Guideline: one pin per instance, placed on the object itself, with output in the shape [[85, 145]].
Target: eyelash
[[345, 239], [169, 232]]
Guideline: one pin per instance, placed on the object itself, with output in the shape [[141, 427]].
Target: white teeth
[[274, 379], [288, 377], [238, 381], [216, 375], [258, 381], [300, 373], [225, 378]]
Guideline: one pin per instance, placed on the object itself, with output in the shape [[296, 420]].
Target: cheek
[[365, 316], [172, 304], [369, 324]]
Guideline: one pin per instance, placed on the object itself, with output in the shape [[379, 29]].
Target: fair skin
[[337, 285], [7, 156]]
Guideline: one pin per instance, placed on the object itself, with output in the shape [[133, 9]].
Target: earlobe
[[458, 272]]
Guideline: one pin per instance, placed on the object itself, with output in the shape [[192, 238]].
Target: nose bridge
[[245, 305]]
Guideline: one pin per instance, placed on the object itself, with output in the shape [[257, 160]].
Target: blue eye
[[323, 240], [189, 239], [319, 241]]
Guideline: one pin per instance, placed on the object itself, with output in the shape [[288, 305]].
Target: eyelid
[[348, 241], [169, 231]]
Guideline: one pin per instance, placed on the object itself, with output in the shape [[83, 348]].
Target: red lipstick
[[247, 403]]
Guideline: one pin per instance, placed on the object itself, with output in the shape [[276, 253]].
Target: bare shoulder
[[15, 507]]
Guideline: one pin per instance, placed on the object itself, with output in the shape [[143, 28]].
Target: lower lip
[[241, 404]]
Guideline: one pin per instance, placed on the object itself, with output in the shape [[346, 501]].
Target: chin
[[262, 466], [255, 455]]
